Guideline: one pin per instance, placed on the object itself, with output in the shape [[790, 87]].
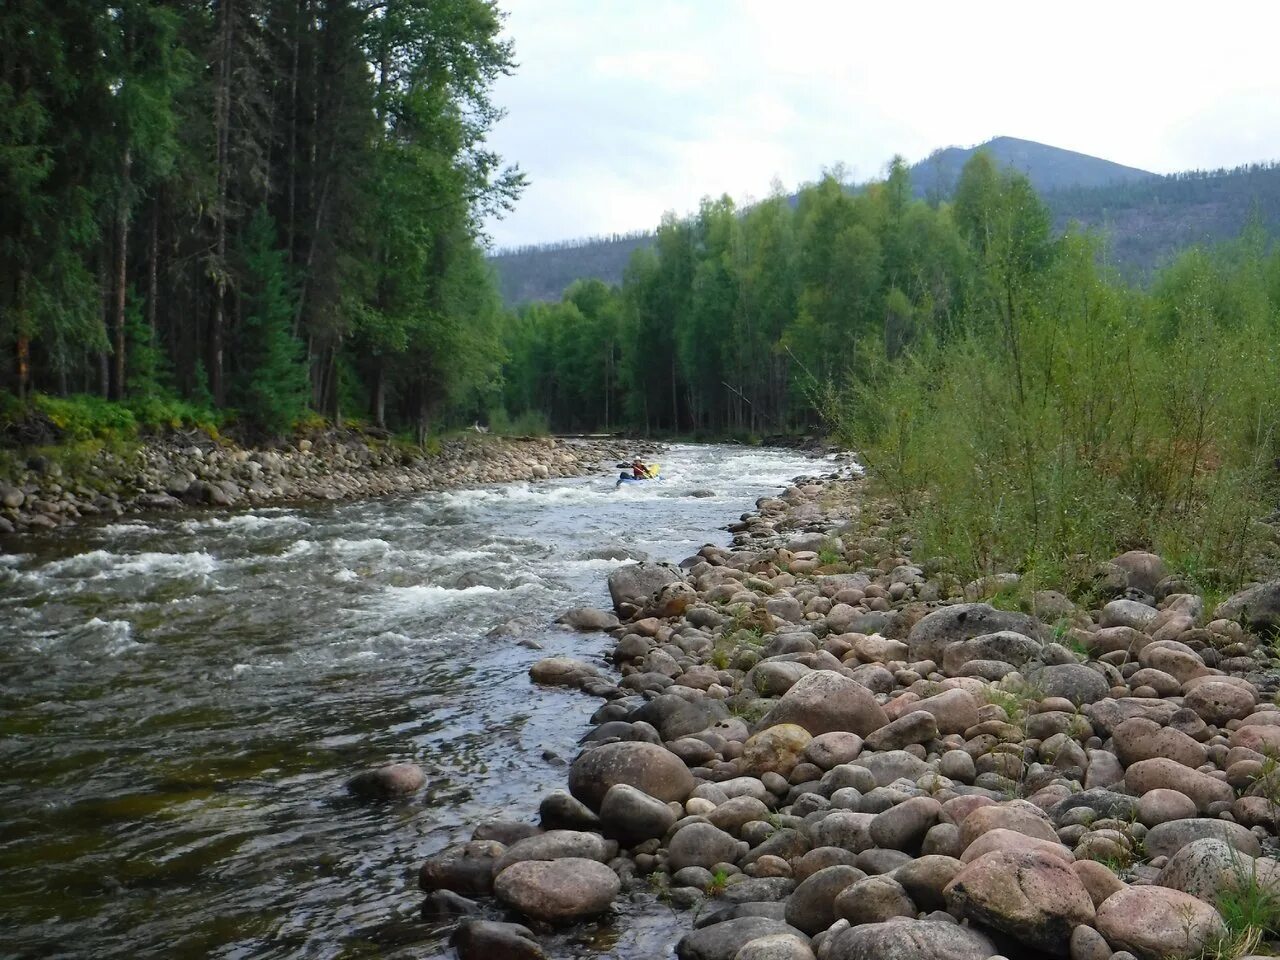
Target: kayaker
[[639, 470]]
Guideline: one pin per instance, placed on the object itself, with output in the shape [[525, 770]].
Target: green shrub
[[530, 423], [85, 417], [1095, 420]]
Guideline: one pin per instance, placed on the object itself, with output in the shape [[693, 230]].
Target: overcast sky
[[619, 110]]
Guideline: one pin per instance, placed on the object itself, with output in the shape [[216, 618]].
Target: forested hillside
[[753, 321], [1146, 218], [270, 205]]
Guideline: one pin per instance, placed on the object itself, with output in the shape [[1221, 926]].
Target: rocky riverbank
[[43, 492], [815, 745]]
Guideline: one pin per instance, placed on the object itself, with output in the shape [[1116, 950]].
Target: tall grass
[[1124, 419]]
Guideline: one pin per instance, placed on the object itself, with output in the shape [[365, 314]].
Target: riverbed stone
[[463, 868], [829, 750], [1257, 607], [873, 900], [919, 726], [561, 672], [824, 702], [776, 749], [903, 826], [722, 941], [777, 946], [491, 940], [1005, 646], [703, 845], [560, 810], [631, 586], [1166, 839], [1141, 739], [929, 637], [1034, 897], [1158, 923], [556, 845], [811, 906], [633, 816], [1160, 772], [557, 890], [647, 767], [1219, 702], [388, 783], [908, 940], [1071, 681], [588, 618]]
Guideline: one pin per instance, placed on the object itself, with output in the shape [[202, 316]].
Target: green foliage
[[85, 417], [1250, 910], [271, 384], [528, 424], [1080, 417], [153, 154], [82, 417], [719, 881]]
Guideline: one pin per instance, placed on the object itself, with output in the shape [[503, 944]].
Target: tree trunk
[[223, 129], [116, 385], [153, 270], [380, 395], [22, 357]]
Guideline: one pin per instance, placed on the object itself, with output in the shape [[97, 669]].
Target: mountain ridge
[[1147, 216]]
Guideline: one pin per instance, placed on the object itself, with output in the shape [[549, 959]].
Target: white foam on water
[[300, 548], [345, 576], [246, 523], [429, 596], [125, 528], [95, 637], [104, 565], [549, 494], [596, 563]]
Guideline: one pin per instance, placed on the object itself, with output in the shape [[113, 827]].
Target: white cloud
[[621, 111]]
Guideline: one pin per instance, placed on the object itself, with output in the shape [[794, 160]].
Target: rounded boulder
[[646, 766]]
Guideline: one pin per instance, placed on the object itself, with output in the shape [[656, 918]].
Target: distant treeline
[[268, 205], [756, 321], [1147, 220]]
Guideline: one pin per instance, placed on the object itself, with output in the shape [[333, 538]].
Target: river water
[[183, 696]]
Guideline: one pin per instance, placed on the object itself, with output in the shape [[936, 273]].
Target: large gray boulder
[[929, 638], [1072, 681], [824, 702], [1142, 570], [389, 782], [633, 816], [811, 906], [1006, 646], [702, 845], [556, 845], [557, 890], [1208, 867], [722, 941], [648, 767], [630, 587], [675, 717], [1257, 608], [909, 940], [1166, 839], [490, 940], [464, 868]]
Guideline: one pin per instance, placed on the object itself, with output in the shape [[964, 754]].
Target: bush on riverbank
[[47, 420], [1085, 418]]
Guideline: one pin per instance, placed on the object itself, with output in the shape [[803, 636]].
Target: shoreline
[[160, 475], [807, 712]]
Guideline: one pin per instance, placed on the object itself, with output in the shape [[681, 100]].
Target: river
[[183, 696]]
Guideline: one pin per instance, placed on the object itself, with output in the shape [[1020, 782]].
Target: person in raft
[[639, 471]]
